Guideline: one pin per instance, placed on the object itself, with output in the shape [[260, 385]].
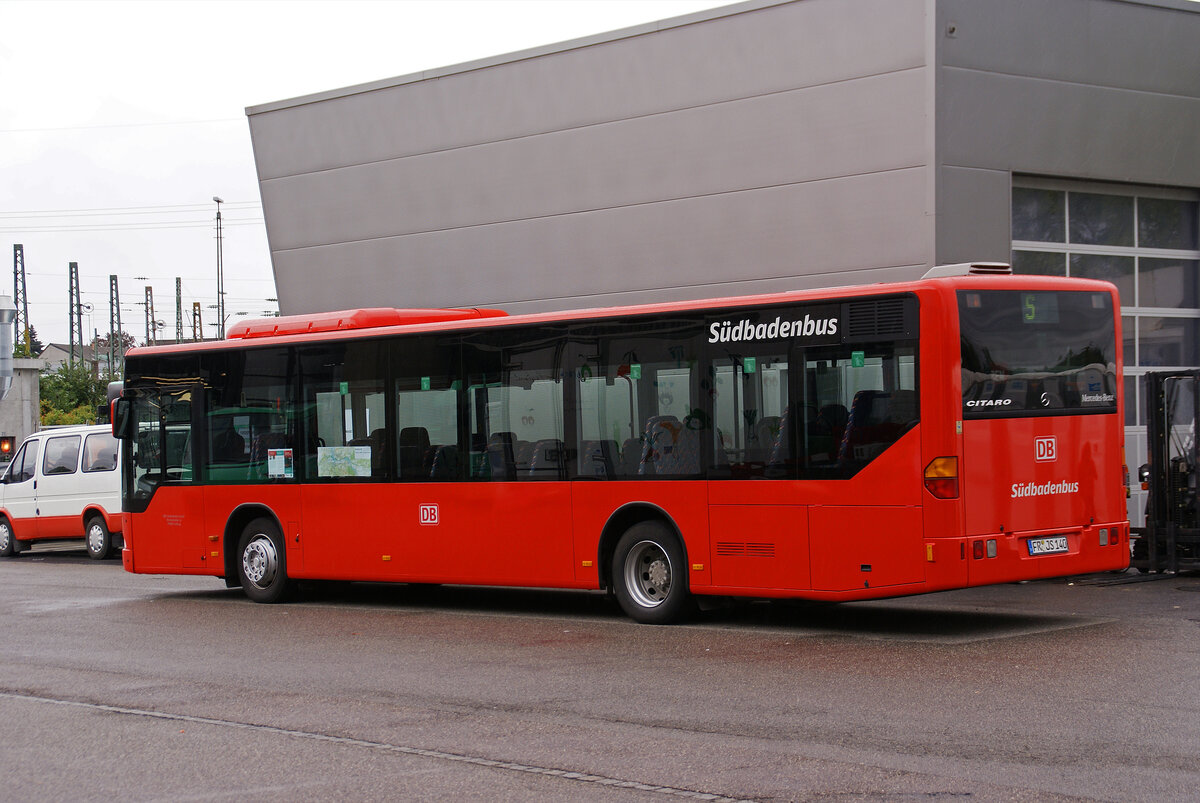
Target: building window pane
[[1039, 263], [1129, 346], [1169, 283], [1166, 223], [1131, 383], [1101, 219], [1118, 270], [1168, 341], [1038, 215]]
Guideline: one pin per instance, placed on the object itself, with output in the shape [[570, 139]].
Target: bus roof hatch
[[969, 269], [345, 320]]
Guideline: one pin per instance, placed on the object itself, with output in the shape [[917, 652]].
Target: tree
[[35, 345], [71, 394], [125, 341]]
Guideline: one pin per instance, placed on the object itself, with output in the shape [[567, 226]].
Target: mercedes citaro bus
[[844, 444]]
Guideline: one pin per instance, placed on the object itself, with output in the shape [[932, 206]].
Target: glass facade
[[1146, 241]]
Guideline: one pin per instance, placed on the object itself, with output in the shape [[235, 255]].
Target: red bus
[[842, 444]]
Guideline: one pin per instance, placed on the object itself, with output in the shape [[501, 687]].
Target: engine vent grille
[[730, 549], [883, 317]]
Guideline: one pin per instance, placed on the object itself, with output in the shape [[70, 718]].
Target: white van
[[63, 483]]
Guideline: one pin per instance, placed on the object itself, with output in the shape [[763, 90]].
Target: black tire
[[98, 538], [262, 562], [8, 544], [650, 577]]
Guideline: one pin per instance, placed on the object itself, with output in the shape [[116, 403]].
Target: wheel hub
[[648, 574], [260, 561], [658, 574]]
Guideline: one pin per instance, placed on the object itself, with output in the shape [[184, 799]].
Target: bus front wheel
[[650, 575], [262, 562]]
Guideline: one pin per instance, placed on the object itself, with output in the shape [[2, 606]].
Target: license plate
[[1048, 546]]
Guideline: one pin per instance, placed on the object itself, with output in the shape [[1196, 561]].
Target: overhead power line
[[127, 210], [132, 226]]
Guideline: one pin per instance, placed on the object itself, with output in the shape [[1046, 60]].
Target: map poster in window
[[279, 464], [343, 461]]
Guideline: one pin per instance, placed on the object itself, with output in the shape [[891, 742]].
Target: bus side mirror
[[122, 419]]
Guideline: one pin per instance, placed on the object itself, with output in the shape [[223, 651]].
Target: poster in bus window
[[279, 464], [343, 461]]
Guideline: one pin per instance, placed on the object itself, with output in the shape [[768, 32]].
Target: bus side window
[[754, 417], [342, 393], [604, 420], [515, 403], [865, 397]]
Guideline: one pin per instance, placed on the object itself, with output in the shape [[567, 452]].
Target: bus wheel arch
[[645, 532], [256, 554]]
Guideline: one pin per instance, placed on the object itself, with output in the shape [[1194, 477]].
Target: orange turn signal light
[[941, 477]]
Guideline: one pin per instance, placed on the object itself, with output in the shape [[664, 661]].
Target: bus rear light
[[1103, 536], [977, 550], [991, 547], [941, 477]]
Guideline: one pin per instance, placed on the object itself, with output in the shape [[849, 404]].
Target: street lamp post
[[220, 275]]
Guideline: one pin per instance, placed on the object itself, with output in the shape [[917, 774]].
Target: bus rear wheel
[[650, 575], [262, 562], [99, 540]]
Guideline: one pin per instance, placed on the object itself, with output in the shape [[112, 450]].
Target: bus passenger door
[[170, 533]]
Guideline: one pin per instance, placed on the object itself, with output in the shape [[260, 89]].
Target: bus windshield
[[1030, 352]]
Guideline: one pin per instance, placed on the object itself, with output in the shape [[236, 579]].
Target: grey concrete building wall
[[1103, 90], [758, 147], [20, 409]]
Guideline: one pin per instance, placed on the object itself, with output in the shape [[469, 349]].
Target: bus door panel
[[507, 533], [170, 534], [760, 546], [479, 533], [865, 546], [351, 531]]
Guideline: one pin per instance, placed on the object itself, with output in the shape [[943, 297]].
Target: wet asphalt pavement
[[174, 688]]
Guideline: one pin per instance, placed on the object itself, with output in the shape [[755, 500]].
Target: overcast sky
[[119, 121]]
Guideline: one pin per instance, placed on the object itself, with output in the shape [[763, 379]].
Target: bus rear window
[[1037, 353]]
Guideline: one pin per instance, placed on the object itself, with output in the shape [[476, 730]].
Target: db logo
[[1045, 449], [428, 513]]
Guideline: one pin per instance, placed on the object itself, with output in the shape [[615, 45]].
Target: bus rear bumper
[[1040, 554]]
